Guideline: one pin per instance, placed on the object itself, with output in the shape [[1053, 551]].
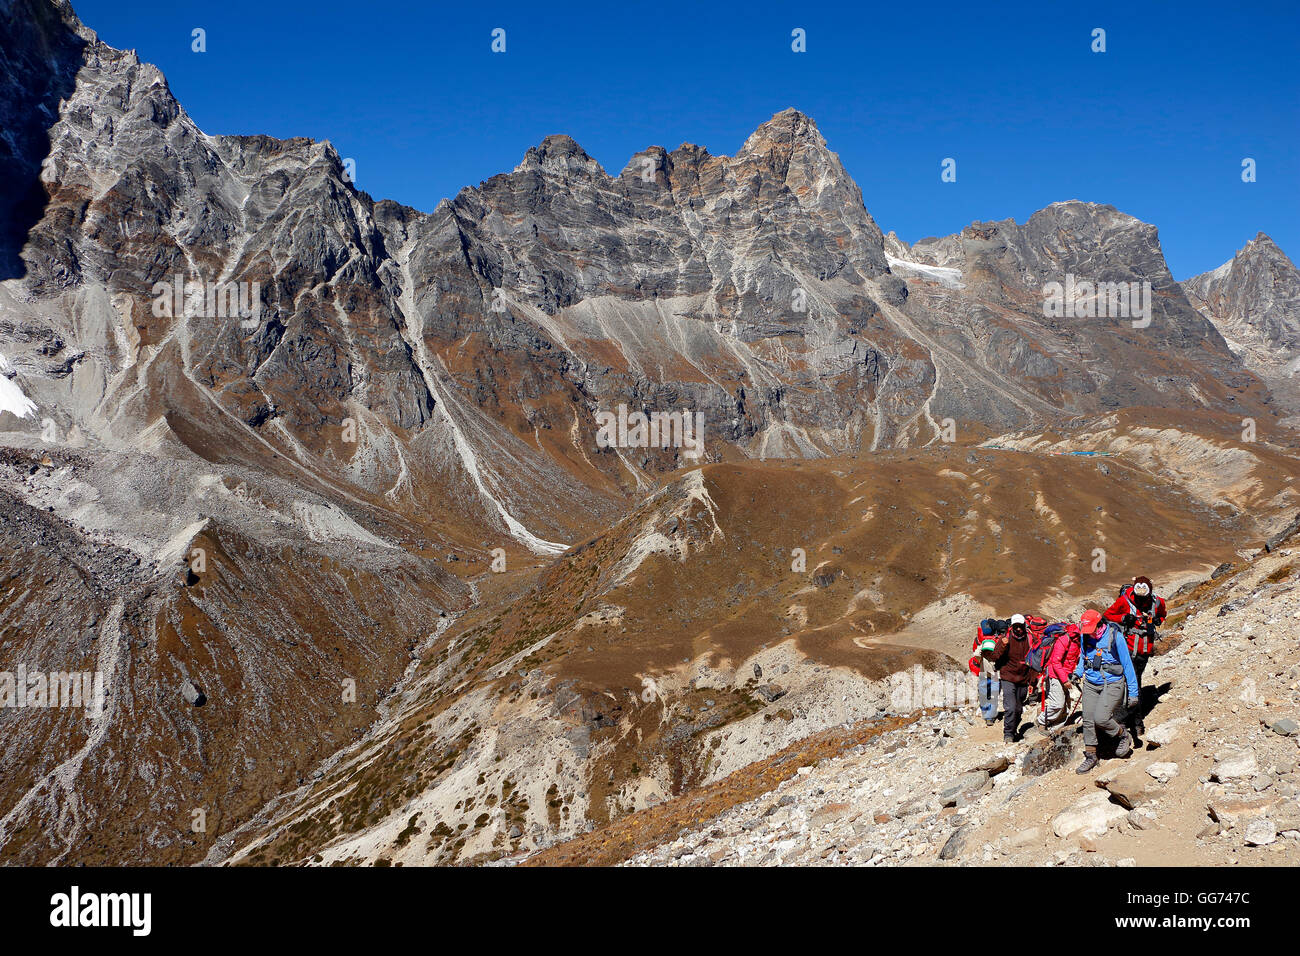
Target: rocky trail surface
[[1215, 782]]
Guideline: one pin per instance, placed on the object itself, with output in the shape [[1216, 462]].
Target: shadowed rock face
[[1254, 301], [396, 394], [40, 51]]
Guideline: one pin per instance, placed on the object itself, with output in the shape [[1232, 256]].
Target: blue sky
[[1158, 125]]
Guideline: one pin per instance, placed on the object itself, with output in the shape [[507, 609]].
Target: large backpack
[[1034, 627], [984, 634], [1042, 637], [1053, 634], [1139, 645]]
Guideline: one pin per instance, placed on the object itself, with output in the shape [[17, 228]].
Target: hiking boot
[[1124, 747], [990, 721], [1089, 761]]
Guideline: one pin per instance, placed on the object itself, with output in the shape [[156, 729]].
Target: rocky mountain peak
[[48, 15], [41, 50], [895, 246], [1092, 225], [1264, 246], [791, 144], [1078, 211], [1253, 299], [1089, 240], [561, 155], [651, 163], [789, 128]]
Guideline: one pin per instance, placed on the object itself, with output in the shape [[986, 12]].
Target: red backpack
[[1035, 656], [985, 632], [1035, 626], [1053, 636], [1139, 645], [1041, 642]]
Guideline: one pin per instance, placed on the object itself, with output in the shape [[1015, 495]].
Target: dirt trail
[[1216, 782]]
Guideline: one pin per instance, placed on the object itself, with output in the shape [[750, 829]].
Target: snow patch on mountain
[[12, 398], [948, 277]]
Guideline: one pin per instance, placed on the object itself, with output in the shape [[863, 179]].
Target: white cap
[[1017, 619]]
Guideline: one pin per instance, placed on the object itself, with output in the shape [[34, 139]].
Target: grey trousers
[[1058, 698], [1101, 706]]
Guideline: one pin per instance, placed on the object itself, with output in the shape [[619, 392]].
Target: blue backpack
[[1039, 653]]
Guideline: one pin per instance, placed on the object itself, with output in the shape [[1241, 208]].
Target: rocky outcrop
[[1254, 301], [41, 47]]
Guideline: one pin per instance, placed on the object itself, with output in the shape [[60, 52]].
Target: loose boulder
[[964, 788], [1142, 818], [1162, 735], [1260, 832], [956, 844], [1233, 765], [1090, 818], [1285, 727], [1131, 787], [1286, 816], [993, 767], [1052, 753]]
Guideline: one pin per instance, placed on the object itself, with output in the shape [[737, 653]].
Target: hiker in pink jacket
[[1054, 699]]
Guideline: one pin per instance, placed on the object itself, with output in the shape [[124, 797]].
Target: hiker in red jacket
[[1054, 699], [1008, 656], [1138, 611]]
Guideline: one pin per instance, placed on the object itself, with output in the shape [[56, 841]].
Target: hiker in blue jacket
[[1109, 683]]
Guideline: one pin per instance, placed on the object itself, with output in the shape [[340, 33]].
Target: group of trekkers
[[1096, 664]]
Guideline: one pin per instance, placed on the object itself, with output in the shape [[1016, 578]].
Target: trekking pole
[[1074, 705]]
